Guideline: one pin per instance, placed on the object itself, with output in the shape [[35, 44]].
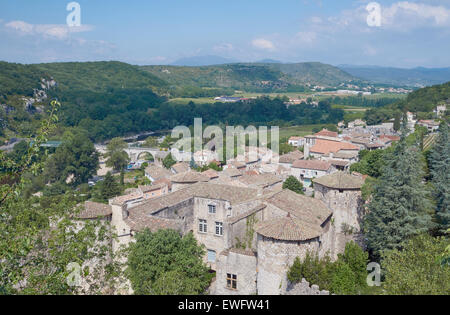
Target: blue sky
[[412, 33]]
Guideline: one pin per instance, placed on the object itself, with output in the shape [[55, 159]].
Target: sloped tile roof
[[232, 172], [326, 146], [340, 180], [94, 210], [260, 180], [181, 167], [288, 229], [202, 190], [327, 133], [312, 165], [290, 157], [310, 210], [189, 177], [157, 172], [211, 173]]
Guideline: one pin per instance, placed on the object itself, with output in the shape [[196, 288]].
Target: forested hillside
[[422, 102], [252, 77], [114, 96], [426, 99]]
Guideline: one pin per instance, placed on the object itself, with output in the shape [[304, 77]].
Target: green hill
[[252, 77], [426, 99], [113, 97]]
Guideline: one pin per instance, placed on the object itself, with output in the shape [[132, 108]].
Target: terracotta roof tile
[[94, 210], [312, 165], [340, 180], [189, 177], [327, 133], [157, 172], [327, 146], [288, 229]]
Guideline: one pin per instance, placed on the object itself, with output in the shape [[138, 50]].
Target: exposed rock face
[[303, 288], [39, 95]]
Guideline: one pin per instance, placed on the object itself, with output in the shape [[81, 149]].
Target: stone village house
[[251, 235]]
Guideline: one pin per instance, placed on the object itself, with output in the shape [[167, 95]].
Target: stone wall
[[274, 260], [210, 239], [347, 214], [243, 265], [304, 288], [183, 211]]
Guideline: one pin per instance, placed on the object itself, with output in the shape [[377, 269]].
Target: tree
[[371, 163], [109, 188], [117, 158], [347, 275], [397, 121], [293, 184], [400, 202], [439, 162], [417, 269], [38, 238], [168, 161], [357, 260], [76, 159], [151, 142], [164, 262]]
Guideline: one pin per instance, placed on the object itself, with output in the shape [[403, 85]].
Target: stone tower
[[341, 193]]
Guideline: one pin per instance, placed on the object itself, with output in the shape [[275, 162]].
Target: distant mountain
[[268, 61], [254, 77], [199, 61], [416, 77]]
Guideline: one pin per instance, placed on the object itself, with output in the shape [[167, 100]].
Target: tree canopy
[[166, 263]]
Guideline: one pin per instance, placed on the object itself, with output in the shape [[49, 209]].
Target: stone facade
[[274, 260], [241, 264], [346, 205], [217, 237]]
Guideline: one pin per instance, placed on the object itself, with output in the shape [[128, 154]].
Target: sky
[[400, 34]]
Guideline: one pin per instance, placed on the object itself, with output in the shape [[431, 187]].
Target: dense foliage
[[347, 275], [293, 184], [166, 263], [39, 237], [400, 206], [439, 163], [419, 268]]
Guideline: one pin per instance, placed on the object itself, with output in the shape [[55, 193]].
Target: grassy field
[[316, 96]]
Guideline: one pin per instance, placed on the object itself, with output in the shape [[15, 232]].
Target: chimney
[[306, 151]]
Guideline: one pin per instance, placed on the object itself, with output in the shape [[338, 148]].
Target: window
[[202, 226], [231, 281], [212, 208], [211, 256], [219, 228]]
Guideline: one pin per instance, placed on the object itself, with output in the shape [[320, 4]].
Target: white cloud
[[307, 36], [223, 47], [410, 14], [54, 31], [262, 43]]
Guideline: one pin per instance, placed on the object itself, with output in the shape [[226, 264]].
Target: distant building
[[440, 110], [296, 141], [306, 170], [431, 125]]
